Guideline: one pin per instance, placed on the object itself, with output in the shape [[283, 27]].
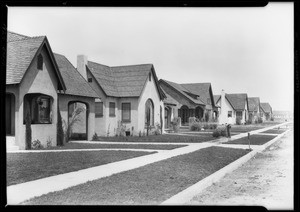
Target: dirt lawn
[[265, 180]]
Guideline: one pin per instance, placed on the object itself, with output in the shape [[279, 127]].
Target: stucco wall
[[149, 91], [64, 100], [38, 81], [223, 116]]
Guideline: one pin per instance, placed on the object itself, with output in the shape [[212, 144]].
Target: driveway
[[265, 180]]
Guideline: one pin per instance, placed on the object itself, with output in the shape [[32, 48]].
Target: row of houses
[[42, 85]]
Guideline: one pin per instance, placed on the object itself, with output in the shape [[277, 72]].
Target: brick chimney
[[81, 63]]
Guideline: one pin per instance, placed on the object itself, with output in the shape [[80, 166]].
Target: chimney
[[81, 63], [223, 112]]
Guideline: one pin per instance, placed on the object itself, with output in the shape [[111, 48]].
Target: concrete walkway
[[83, 150], [24, 191]]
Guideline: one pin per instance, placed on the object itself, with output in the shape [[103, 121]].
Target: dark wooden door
[[8, 114]]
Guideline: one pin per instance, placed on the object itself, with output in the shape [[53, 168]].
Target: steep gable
[[203, 90], [253, 103], [238, 101], [266, 107], [21, 50]]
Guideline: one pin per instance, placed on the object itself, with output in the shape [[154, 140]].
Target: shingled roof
[[185, 92], [253, 103], [201, 89], [216, 98], [266, 107], [169, 100], [74, 81], [123, 81], [21, 50], [237, 100]]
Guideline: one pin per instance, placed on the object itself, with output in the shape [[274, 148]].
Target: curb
[[186, 195]]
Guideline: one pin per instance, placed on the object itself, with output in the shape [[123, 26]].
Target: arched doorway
[[168, 112], [149, 113], [184, 114], [199, 112], [10, 114], [78, 113]]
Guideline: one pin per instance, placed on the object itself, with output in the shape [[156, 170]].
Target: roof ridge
[[29, 38], [132, 65]]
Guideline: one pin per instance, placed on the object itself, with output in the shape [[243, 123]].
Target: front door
[[8, 114]]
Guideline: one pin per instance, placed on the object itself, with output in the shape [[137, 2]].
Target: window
[[39, 108], [229, 114], [112, 111], [149, 113], [126, 110], [239, 114], [149, 76], [90, 79], [40, 62], [98, 109], [72, 108]]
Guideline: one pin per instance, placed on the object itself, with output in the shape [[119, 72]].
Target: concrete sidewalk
[[24, 191]]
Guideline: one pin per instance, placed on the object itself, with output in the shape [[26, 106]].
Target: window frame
[[112, 109], [90, 79], [129, 110], [229, 114], [99, 114]]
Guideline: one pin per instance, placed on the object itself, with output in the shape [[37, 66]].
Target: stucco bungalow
[[266, 111], [189, 100], [232, 107], [32, 83], [254, 109], [41, 83], [129, 97]]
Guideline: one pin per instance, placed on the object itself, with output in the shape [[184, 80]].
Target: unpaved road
[[265, 180]]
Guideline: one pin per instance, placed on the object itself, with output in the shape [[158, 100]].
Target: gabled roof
[[237, 100], [123, 81], [266, 107], [184, 91], [216, 98], [201, 89], [253, 103], [169, 100], [74, 81], [21, 50]]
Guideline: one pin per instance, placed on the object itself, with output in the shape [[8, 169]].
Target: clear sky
[[240, 50]]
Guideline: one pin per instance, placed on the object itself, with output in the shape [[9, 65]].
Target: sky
[[241, 50]]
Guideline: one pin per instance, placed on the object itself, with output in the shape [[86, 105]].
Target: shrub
[[49, 142], [219, 131], [259, 120], [157, 130], [196, 126], [28, 131], [95, 137], [213, 126], [238, 121], [206, 126], [176, 124], [140, 134], [249, 121], [121, 129], [36, 144], [272, 119]]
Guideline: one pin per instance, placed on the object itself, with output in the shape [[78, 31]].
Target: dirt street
[[266, 180]]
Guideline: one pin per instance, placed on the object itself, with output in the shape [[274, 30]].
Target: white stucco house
[[127, 95], [232, 107]]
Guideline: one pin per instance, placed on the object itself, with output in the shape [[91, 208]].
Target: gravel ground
[[265, 180]]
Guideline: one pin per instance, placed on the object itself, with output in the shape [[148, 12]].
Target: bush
[[213, 126], [176, 124], [95, 137], [49, 142], [272, 119], [238, 121], [259, 120], [36, 144], [157, 130], [196, 126], [219, 131], [249, 121], [206, 126]]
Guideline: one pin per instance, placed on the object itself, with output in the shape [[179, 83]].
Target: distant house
[[192, 100], [232, 107], [266, 111], [129, 97], [254, 108], [33, 80]]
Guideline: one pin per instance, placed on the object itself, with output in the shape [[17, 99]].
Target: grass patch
[[161, 138], [116, 146], [150, 184], [248, 128], [275, 131], [254, 140], [23, 167]]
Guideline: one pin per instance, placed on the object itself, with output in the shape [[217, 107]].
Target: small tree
[[28, 131], [74, 119]]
